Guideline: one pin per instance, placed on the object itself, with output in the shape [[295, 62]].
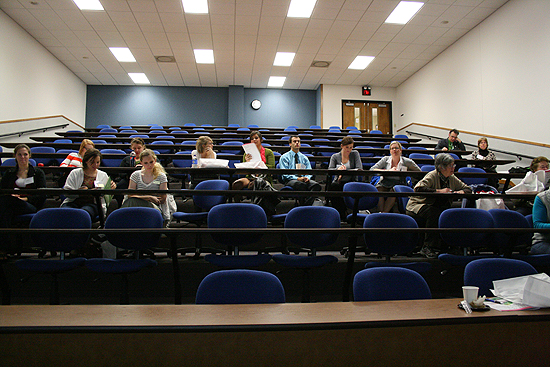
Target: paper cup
[[470, 293]]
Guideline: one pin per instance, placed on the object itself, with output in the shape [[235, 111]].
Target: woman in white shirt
[[203, 149]]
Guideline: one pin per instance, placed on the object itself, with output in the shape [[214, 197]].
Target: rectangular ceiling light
[[284, 58], [361, 62], [88, 4], [122, 54], [301, 8], [276, 81], [204, 56], [139, 78], [403, 12], [195, 6]]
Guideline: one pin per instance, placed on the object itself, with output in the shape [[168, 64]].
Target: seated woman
[[266, 155], [393, 162], [204, 149], [541, 219], [151, 177], [482, 153], [428, 209], [346, 159], [22, 176], [525, 206], [122, 181], [89, 177], [75, 159]]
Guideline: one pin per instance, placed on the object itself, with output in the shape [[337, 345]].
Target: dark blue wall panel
[[142, 105], [139, 105]]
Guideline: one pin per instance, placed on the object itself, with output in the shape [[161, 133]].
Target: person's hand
[[341, 167], [459, 192], [83, 188], [445, 148], [153, 199], [445, 190], [393, 169], [248, 157], [113, 185], [303, 179]]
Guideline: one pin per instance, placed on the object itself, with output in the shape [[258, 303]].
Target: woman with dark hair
[[345, 159], [266, 155], [482, 153], [89, 177], [428, 209], [22, 176]]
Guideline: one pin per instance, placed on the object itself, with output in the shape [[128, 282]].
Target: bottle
[[194, 160]]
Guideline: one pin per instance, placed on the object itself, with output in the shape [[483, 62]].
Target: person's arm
[[269, 158], [458, 186], [411, 165], [284, 163], [73, 182], [540, 214], [427, 184], [442, 143], [380, 165], [357, 164], [333, 161], [305, 161], [39, 183], [67, 160], [474, 155]]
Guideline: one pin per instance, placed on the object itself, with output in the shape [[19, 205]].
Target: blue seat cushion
[[190, 217], [50, 266], [239, 261], [304, 262], [119, 266]]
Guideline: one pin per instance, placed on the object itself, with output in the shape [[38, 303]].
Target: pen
[[492, 300]]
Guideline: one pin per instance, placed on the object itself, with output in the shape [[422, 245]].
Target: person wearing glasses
[[426, 210], [393, 162]]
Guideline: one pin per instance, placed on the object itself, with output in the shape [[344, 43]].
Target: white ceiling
[[245, 35]]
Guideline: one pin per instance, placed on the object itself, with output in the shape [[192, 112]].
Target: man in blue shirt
[[293, 159]]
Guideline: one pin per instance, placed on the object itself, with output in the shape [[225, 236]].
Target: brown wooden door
[[367, 115]]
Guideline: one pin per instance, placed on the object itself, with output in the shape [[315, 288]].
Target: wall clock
[[256, 104]]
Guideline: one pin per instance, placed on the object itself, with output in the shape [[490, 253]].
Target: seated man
[[451, 143], [293, 159]]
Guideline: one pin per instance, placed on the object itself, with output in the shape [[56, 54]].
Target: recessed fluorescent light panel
[[139, 78], [301, 8], [361, 62], [88, 4], [403, 12], [204, 56], [284, 58], [276, 81], [195, 6], [122, 54]]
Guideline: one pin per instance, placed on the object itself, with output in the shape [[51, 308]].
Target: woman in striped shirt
[[75, 159]]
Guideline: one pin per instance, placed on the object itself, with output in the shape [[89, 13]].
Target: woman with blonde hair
[[203, 150], [152, 176]]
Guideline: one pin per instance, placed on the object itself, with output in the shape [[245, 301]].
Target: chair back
[[44, 161], [504, 218], [482, 272], [108, 130], [404, 200], [61, 219], [134, 218], [207, 202], [63, 141], [312, 217], [401, 136], [390, 243], [427, 168], [466, 218], [164, 142], [111, 162], [472, 180], [366, 202], [375, 132], [233, 143], [240, 286], [236, 215], [414, 156], [11, 162], [388, 284]]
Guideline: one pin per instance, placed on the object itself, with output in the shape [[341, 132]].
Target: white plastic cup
[[470, 293]]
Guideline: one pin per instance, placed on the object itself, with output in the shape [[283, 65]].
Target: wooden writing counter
[[423, 333]]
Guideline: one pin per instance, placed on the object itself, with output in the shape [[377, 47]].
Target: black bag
[[268, 203], [518, 169]]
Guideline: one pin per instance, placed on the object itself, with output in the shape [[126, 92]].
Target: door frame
[[389, 103]]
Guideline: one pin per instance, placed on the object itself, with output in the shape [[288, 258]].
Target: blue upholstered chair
[[232, 143], [414, 156], [62, 241], [111, 162], [365, 202], [375, 132], [389, 284], [235, 216], [472, 180], [130, 219], [465, 218], [482, 272], [240, 286], [404, 200], [11, 162], [44, 161], [108, 130], [63, 141], [310, 217], [388, 244], [427, 167], [400, 136], [103, 126], [163, 150], [204, 203]]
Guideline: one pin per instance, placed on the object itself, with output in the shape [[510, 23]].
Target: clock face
[[256, 104]]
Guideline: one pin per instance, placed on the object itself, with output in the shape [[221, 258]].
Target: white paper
[[213, 163], [512, 289], [257, 164], [252, 149]]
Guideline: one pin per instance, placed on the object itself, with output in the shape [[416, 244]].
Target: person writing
[[394, 162], [89, 177], [346, 159], [428, 209], [22, 176]]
